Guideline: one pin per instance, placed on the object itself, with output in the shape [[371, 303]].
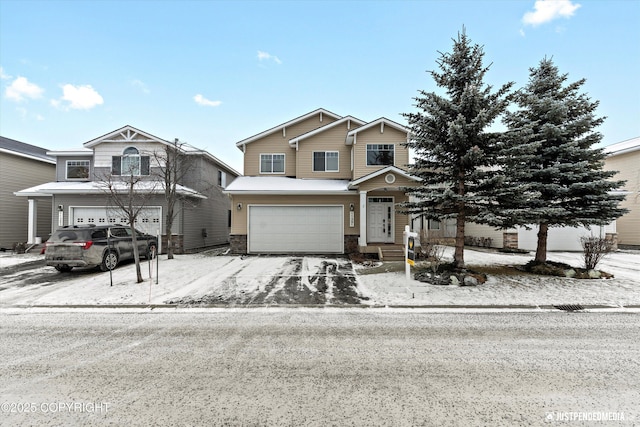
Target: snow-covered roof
[[239, 144], [623, 147], [282, 185], [388, 169], [93, 187], [71, 152]]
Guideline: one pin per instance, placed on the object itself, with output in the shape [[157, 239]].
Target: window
[[271, 163], [130, 163], [434, 224], [78, 169], [380, 154], [325, 161], [222, 179]]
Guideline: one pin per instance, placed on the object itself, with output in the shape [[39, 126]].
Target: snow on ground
[[235, 278], [391, 288]]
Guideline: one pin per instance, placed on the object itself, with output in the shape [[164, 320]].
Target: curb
[[526, 307]]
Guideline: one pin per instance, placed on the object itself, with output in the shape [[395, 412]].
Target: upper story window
[[78, 169], [271, 163], [130, 163], [380, 154], [325, 161], [222, 179]]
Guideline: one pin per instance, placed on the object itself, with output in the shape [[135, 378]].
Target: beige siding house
[[78, 193], [624, 157], [20, 165], [321, 183]]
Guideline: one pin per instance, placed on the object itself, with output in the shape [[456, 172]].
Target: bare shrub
[[594, 249]]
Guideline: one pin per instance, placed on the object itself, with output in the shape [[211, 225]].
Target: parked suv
[[91, 246]]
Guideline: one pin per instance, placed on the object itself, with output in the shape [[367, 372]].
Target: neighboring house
[[21, 165], [78, 193], [321, 183], [624, 157]]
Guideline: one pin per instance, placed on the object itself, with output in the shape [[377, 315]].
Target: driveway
[[187, 280], [296, 280]]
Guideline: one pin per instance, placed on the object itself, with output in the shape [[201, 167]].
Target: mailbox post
[[408, 238]]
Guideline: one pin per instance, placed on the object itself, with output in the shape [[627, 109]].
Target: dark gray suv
[[92, 246]]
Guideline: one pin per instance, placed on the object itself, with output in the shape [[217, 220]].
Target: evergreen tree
[[552, 175], [454, 152]]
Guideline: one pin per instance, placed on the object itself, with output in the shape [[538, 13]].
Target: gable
[[277, 142], [320, 115]]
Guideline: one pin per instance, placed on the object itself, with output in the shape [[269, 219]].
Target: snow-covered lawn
[[259, 280]]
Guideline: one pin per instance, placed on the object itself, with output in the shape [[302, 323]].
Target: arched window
[[131, 161]]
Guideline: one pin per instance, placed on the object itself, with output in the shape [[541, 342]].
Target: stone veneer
[[238, 243], [510, 240], [351, 244]]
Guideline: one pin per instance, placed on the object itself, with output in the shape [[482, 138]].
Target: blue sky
[[214, 72]]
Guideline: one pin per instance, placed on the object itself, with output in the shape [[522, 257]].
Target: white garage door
[[296, 229], [149, 220]]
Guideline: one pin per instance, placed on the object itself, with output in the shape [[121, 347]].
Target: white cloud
[[201, 100], [78, 97], [4, 76], [21, 88], [548, 10], [265, 56], [140, 85]]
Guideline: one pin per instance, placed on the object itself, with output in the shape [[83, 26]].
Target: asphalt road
[[318, 367]]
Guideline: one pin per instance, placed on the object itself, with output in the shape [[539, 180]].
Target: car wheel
[[64, 268], [109, 261], [151, 252]]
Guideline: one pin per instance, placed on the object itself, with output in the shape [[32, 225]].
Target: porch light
[[351, 207], [239, 206]]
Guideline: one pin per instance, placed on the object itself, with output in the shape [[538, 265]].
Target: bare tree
[[129, 192], [173, 166]]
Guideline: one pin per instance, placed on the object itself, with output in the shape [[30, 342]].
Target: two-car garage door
[[149, 219], [295, 229]]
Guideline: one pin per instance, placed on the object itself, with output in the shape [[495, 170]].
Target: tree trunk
[[541, 251], [458, 255], [136, 254]]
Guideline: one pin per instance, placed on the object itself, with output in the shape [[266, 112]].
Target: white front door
[[380, 220]]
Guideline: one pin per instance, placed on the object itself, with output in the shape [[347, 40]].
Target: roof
[[93, 187], [623, 147], [286, 124], [131, 136], [17, 148], [294, 141], [382, 121], [388, 169], [283, 185]]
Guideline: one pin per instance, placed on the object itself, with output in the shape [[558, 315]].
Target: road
[[317, 367]]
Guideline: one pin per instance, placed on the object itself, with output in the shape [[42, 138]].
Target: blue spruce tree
[[454, 152], [552, 175]]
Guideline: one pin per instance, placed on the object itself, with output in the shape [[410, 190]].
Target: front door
[[380, 219]]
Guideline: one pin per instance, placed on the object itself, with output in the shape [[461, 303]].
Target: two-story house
[[624, 157], [79, 195], [321, 183], [21, 165]]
